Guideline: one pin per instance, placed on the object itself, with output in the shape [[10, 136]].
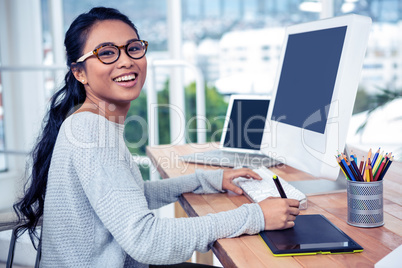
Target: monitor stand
[[321, 186]]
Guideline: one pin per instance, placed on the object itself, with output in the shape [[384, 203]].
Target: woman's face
[[117, 83]]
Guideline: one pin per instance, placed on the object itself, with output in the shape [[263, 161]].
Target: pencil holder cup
[[365, 203]]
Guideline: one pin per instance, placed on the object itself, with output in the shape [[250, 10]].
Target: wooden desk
[[250, 251]]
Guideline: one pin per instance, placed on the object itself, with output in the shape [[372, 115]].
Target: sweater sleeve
[[121, 205], [163, 192], [115, 191]]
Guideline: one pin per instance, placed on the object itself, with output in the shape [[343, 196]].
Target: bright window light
[[311, 6], [348, 7]]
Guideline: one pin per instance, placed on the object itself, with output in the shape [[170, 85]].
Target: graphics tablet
[[312, 234]]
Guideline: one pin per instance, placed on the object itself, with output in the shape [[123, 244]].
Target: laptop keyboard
[[236, 159], [257, 191]]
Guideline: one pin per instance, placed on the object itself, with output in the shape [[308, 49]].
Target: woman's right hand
[[279, 213]]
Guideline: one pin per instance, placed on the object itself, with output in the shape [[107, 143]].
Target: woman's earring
[[83, 81]]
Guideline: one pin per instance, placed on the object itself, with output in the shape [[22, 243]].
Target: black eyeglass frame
[[95, 51]]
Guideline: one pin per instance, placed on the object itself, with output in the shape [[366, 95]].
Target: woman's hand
[[279, 213], [230, 174]]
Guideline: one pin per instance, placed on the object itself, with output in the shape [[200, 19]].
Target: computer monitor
[[313, 97]]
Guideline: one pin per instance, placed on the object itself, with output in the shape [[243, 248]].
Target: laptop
[[241, 135]]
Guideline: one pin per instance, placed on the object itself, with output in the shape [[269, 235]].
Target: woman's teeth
[[125, 78]]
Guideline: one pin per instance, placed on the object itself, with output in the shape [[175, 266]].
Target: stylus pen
[[279, 186]]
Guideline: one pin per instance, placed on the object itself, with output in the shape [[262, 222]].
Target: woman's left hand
[[230, 174]]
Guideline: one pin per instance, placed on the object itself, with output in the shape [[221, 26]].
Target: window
[[3, 164]]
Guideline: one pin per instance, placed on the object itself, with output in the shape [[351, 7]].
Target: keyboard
[[257, 191]]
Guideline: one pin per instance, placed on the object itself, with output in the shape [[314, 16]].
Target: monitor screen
[[246, 124], [314, 93], [307, 79]]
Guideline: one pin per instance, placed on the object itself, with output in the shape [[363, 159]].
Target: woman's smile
[[126, 80]]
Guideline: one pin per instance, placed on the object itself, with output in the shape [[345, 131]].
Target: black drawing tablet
[[312, 234]]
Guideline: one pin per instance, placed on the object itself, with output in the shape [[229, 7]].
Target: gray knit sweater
[[98, 210]]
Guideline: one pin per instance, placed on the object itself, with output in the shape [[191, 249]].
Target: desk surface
[[250, 250]]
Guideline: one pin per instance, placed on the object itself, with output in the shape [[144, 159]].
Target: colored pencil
[[359, 176], [373, 169], [369, 153], [366, 175], [370, 178], [348, 170], [351, 167], [378, 158], [386, 168], [342, 167], [375, 157], [361, 166], [352, 154], [378, 162], [379, 170]]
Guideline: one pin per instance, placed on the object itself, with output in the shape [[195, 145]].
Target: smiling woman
[[111, 77], [97, 211]]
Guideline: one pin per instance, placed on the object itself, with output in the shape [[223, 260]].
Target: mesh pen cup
[[365, 203]]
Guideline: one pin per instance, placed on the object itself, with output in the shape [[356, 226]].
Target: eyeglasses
[[110, 53]]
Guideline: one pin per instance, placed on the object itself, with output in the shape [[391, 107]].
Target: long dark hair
[[30, 208]]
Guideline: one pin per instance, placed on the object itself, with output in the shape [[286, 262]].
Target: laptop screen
[[246, 124]]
